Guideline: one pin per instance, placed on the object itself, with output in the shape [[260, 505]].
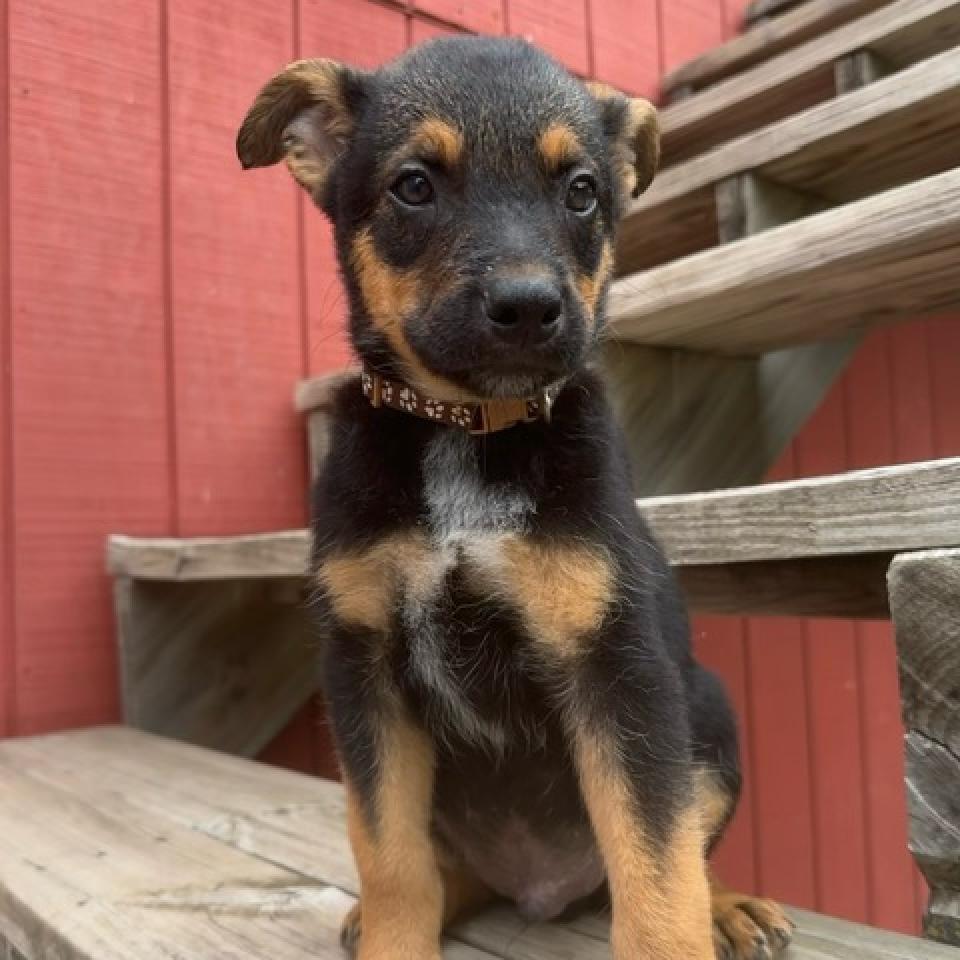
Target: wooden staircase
[[811, 191]]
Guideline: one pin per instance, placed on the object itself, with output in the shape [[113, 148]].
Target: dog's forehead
[[499, 94]]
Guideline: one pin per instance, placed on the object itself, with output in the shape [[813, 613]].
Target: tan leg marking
[[463, 894], [562, 591], [661, 905], [401, 885]]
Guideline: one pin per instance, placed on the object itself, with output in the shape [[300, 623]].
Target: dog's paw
[[350, 930], [745, 928]]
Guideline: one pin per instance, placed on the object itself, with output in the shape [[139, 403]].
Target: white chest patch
[[466, 517]]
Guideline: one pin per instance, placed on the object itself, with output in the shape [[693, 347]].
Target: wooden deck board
[[878, 260], [901, 128], [116, 845], [767, 40], [902, 33], [859, 513]]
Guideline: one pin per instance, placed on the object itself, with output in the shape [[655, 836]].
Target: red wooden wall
[[156, 307]]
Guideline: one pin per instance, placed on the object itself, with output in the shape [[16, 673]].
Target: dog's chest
[[452, 609]]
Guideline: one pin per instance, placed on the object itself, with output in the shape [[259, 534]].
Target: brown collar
[[480, 417]]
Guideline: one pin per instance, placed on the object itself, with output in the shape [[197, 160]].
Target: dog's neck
[[476, 417]]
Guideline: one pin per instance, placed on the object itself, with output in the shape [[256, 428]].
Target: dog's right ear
[[305, 115]]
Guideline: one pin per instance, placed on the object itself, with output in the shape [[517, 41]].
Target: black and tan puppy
[[506, 657]]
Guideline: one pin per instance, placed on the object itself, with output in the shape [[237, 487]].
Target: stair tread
[[888, 509], [898, 129], [122, 845], [887, 257], [901, 33], [766, 40]]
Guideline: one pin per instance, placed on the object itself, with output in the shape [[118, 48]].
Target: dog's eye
[[413, 189], [582, 194]]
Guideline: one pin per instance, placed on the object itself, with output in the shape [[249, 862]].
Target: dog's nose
[[525, 310]]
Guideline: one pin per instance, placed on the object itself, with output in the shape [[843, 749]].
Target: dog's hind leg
[[744, 927]]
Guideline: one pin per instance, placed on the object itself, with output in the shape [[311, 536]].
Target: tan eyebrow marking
[[559, 147], [440, 141]]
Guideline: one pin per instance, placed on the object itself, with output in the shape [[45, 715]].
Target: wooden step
[[764, 41], [760, 10], [817, 547], [899, 35], [888, 257], [901, 128], [118, 845]]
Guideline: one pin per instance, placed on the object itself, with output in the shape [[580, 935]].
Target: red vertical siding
[[89, 402], [560, 28], [236, 305], [8, 665], [364, 34], [626, 44], [157, 306]]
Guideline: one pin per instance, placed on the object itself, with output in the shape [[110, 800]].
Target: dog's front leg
[[388, 818], [657, 877]]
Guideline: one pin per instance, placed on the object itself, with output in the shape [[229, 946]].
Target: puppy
[[506, 656]]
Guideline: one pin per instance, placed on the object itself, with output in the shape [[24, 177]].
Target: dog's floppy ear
[[633, 132], [304, 115]]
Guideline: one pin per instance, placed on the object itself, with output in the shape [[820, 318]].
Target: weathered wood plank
[[925, 601], [102, 867], [760, 10], [765, 41], [253, 862], [889, 509], [815, 587], [857, 70], [875, 261], [208, 558], [697, 421], [224, 664], [890, 132], [902, 33]]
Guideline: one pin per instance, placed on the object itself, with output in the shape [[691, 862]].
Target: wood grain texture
[[225, 665], [760, 10], [924, 592], [898, 129], [828, 587], [745, 409], [118, 845], [899, 508], [885, 509], [878, 260], [765, 41], [903, 32], [210, 558], [89, 435]]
